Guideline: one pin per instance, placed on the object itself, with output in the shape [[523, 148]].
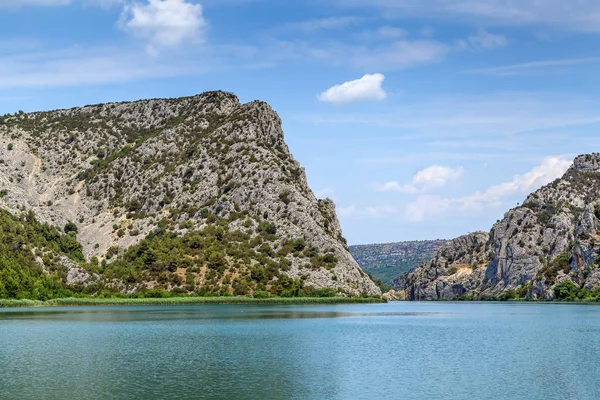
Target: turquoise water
[[396, 351]]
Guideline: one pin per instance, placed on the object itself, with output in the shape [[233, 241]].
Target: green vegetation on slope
[[21, 275], [215, 261]]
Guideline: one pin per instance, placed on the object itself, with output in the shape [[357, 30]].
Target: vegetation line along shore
[[184, 301]]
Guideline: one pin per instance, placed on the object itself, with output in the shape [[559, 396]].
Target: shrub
[[261, 294], [71, 227], [566, 290], [299, 244]]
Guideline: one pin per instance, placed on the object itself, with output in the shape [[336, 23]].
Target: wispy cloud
[[582, 15], [486, 40], [76, 66], [322, 24], [427, 206], [434, 176], [388, 56], [534, 66], [506, 113]]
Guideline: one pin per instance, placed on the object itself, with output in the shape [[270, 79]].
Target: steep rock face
[[551, 238], [458, 267], [119, 171]]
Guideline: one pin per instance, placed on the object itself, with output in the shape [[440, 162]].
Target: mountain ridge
[[122, 171]]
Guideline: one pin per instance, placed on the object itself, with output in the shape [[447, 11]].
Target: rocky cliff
[[551, 239], [122, 172]]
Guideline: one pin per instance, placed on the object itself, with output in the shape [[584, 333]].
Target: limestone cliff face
[[118, 170], [552, 237]]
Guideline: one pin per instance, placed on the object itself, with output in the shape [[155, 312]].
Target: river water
[[396, 351]]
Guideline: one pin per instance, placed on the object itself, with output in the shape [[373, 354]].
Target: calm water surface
[[396, 351]]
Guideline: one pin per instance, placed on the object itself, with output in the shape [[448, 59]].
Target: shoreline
[[75, 302]]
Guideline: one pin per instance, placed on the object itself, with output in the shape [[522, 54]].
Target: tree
[[566, 290], [71, 227]]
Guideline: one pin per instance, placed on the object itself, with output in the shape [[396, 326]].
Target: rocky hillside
[[388, 261], [546, 248], [167, 172]]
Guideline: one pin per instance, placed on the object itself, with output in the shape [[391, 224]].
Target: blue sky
[[422, 119]]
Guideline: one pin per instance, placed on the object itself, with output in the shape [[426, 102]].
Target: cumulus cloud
[[550, 169], [430, 177], [164, 23], [367, 88], [486, 40]]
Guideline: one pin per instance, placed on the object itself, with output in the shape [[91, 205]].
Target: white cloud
[[164, 23], [550, 169], [367, 88], [486, 40], [430, 177]]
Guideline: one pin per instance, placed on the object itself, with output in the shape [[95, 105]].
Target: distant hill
[[387, 261]]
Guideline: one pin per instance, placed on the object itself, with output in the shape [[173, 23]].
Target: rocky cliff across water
[[195, 194], [547, 247]]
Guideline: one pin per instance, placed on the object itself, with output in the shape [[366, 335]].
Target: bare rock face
[[394, 295], [458, 267], [118, 170], [551, 238]]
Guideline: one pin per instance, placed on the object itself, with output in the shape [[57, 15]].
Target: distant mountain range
[[388, 261]]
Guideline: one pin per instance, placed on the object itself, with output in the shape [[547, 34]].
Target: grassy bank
[[185, 300]]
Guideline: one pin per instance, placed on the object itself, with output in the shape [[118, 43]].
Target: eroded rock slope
[[121, 171]]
